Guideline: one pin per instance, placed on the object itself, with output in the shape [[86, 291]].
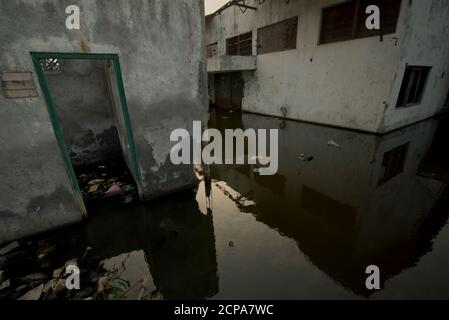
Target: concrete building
[[316, 61], [132, 73]]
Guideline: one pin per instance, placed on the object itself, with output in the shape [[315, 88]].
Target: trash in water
[[95, 182], [305, 158], [106, 181], [332, 143], [93, 188], [113, 191], [284, 111]]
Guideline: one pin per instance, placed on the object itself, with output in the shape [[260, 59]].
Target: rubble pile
[[49, 283], [107, 181]]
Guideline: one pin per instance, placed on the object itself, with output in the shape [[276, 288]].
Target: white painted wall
[[423, 40], [352, 84]]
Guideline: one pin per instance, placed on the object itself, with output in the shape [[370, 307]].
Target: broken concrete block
[[34, 294], [10, 247], [58, 273], [35, 277], [53, 288], [5, 285]]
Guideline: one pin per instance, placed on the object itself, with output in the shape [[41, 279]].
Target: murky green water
[[308, 232]]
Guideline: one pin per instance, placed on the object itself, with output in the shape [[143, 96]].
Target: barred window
[[413, 85], [280, 36], [393, 163], [346, 21], [241, 45]]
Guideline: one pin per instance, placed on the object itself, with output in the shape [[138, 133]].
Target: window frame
[[210, 46], [274, 24], [355, 34], [427, 70], [389, 173], [238, 44]]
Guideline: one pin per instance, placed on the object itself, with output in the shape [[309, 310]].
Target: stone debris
[[5, 285], [242, 202], [35, 277], [34, 294], [45, 249], [53, 289], [49, 283], [58, 273], [84, 294], [107, 181], [9, 248], [332, 143]]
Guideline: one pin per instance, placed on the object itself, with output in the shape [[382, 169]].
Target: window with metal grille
[[51, 65], [280, 36], [347, 20], [393, 163], [413, 84], [212, 50], [241, 45]]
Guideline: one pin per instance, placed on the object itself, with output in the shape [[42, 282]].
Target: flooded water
[[308, 232]]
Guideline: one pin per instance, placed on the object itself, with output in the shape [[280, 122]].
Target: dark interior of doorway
[[229, 90], [87, 110]]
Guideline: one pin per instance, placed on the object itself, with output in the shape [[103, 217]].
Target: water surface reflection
[[362, 200], [307, 232]]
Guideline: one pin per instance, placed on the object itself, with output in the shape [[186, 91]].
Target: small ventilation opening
[[51, 65]]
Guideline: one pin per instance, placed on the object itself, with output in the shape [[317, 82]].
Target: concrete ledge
[[231, 64]]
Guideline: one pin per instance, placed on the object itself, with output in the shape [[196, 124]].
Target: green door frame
[[37, 56]]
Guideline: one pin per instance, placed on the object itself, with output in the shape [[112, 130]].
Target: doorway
[[87, 105], [229, 90]]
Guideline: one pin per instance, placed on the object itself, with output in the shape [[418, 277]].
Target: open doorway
[[229, 90], [87, 106]]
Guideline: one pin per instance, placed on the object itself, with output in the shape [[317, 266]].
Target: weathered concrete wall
[[84, 109], [161, 50], [423, 41], [353, 84], [222, 64]]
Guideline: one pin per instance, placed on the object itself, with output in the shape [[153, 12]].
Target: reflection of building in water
[[176, 237], [355, 204], [182, 251]]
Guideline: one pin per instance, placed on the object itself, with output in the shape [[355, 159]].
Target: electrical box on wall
[[16, 85]]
